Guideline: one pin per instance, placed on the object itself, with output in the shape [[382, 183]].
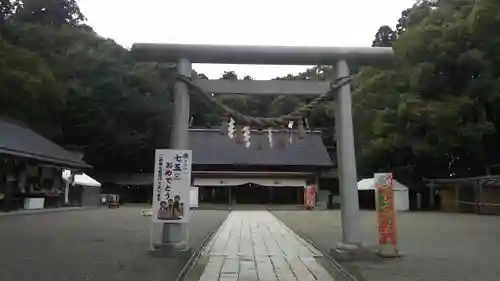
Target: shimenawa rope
[[266, 122]]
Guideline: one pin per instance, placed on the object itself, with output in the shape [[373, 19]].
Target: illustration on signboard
[[172, 209]]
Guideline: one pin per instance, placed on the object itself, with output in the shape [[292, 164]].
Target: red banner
[[310, 196], [385, 210]]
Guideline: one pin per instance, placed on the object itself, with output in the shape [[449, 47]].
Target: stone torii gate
[[185, 54]]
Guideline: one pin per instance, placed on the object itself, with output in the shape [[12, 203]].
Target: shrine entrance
[[251, 193], [256, 191], [338, 89]]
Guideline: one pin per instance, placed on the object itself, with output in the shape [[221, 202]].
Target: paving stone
[[255, 246], [231, 266], [286, 277], [300, 270], [317, 270], [212, 269], [228, 277]]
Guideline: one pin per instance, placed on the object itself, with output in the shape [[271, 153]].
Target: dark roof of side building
[[19, 140], [213, 148]]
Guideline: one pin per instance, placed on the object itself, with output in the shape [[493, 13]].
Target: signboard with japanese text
[[386, 218], [172, 185]]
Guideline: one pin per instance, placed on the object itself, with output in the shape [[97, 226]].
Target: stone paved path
[[256, 246]]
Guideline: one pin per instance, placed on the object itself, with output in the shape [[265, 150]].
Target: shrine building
[[264, 170]]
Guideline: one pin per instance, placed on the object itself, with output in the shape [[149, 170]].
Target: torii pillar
[[184, 55]]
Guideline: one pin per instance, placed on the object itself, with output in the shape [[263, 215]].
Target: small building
[[368, 192], [31, 166], [226, 172], [480, 195], [131, 187]]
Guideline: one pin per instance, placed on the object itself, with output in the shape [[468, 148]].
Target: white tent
[[81, 179], [401, 193], [193, 197]]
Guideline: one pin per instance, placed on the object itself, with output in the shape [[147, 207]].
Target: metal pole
[[351, 217], [66, 192], [175, 235], [68, 182]]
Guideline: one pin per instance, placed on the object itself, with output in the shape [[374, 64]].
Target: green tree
[[384, 37], [87, 87], [435, 111], [29, 89], [7, 10], [412, 16], [50, 12], [229, 75]]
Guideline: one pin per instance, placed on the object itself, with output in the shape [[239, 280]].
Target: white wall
[[401, 200]]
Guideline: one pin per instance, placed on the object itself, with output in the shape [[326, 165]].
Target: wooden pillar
[[431, 195], [7, 165], [419, 200], [214, 200], [316, 183], [298, 195], [478, 195], [3, 175]]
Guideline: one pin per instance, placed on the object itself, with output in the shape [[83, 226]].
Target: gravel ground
[[88, 245], [436, 246]]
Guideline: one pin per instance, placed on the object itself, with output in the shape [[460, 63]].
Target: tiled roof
[[19, 140], [212, 148]]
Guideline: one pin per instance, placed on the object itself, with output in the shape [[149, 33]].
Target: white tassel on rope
[[270, 137], [247, 136], [230, 128], [290, 127]]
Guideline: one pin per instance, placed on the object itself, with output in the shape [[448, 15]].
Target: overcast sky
[[238, 22]]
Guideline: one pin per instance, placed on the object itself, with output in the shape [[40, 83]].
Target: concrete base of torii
[[174, 242], [352, 252]]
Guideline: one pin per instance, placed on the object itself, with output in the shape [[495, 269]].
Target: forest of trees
[[435, 111]]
